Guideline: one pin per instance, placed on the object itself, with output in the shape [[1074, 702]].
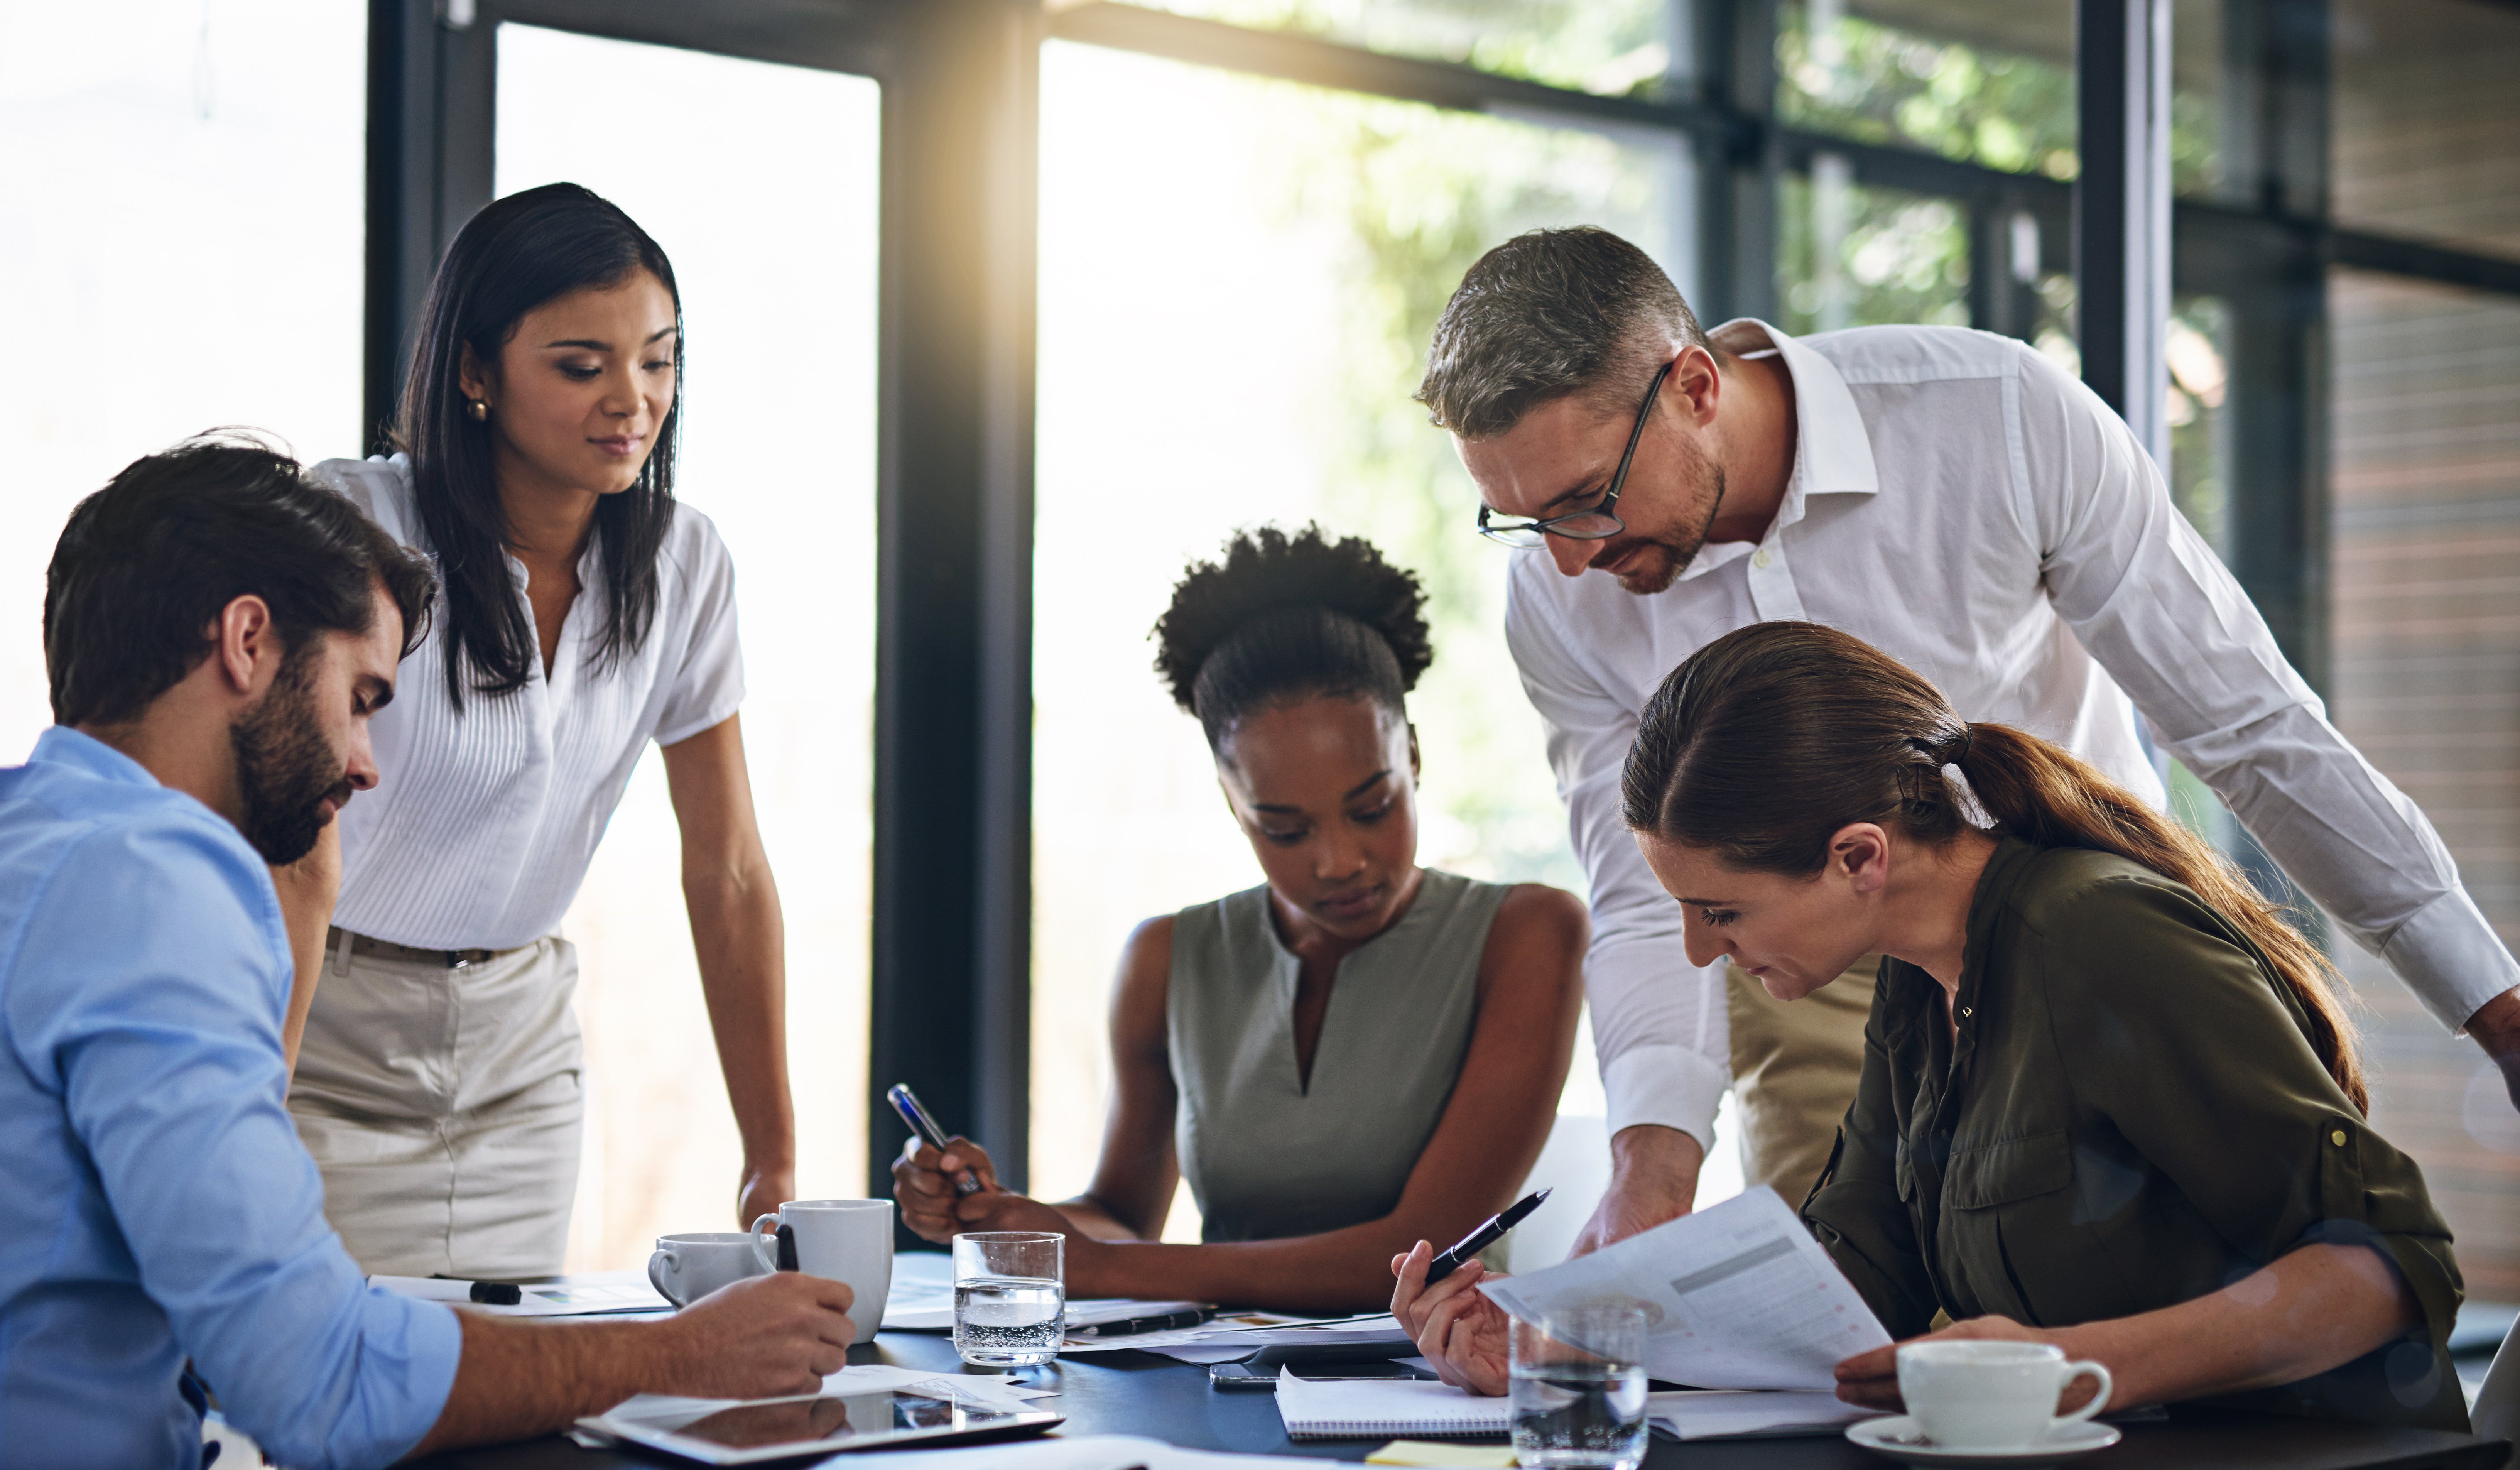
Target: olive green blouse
[[2131, 1118]]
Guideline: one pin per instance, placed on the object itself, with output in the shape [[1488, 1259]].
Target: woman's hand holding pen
[[1462, 1333], [922, 1182]]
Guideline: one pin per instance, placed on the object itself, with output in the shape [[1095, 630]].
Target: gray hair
[[1546, 315]]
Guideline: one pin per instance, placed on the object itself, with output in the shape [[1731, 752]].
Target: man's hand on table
[[1653, 1179], [2495, 1026]]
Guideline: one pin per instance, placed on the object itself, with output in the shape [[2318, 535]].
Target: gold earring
[[480, 408]]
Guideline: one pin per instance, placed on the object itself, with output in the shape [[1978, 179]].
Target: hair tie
[[1956, 750]]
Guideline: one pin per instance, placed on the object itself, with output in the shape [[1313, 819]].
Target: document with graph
[[1739, 1296]]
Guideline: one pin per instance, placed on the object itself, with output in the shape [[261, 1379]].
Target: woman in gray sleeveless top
[[1356, 1055]]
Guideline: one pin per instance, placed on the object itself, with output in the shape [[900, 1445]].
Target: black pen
[[1481, 1238], [786, 1248], [1163, 1323]]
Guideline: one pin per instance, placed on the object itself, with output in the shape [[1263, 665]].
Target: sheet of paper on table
[[923, 1314], [1749, 1414], [1385, 1406], [1225, 1339], [585, 1294], [1739, 1296], [996, 1390], [1088, 1451]]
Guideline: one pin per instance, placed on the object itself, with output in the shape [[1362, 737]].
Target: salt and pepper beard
[[286, 768]]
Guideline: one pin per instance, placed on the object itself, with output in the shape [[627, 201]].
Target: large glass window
[[2426, 486], [2427, 134], [182, 205], [1238, 278], [1986, 84], [1615, 47], [759, 181]]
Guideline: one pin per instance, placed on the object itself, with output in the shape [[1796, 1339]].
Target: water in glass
[[1589, 1414], [1009, 1322]]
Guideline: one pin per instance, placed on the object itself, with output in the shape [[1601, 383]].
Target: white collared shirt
[[483, 823], [1961, 504]]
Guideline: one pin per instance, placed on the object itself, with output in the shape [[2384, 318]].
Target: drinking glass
[[1010, 1297], [1579, 1388]]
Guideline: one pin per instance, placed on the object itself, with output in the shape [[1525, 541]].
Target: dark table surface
[[1139, 1393]]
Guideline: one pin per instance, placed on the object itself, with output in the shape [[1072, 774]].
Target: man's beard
[[1669, 554], [285, 767]]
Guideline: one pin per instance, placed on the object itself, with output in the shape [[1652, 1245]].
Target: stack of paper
[[1383, 1408]]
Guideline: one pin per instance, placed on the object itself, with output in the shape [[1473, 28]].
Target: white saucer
[[1903, 1439]]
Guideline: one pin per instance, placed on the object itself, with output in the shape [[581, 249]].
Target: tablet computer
[[776, 1429]]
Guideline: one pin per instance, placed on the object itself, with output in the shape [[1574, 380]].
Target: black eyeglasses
[[1594, 523]]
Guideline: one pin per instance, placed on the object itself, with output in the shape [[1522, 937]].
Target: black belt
[[380, 949]]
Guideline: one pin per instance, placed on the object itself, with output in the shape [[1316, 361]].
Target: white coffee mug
[[847, 1240], [1991, 1395], [687, 1267]]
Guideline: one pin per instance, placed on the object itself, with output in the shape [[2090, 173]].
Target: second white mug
[[688, 1267], [1991, 1395], [848, 1240]]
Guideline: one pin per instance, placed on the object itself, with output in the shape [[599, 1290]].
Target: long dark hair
[[1770, 738], [517, 253], [1287, 617]]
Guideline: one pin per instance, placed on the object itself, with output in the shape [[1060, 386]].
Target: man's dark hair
[[1547, 315], [145, 566]]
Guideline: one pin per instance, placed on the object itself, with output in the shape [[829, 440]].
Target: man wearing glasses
[[1952, 498]]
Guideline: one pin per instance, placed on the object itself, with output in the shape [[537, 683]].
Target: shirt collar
[[1832, 452], [61, 745]]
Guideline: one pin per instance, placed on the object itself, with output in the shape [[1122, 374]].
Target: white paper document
[[586, 1294], [1091, 1452], [998, 1391], [1736, 1414], [1225, 1339], [1739, 1296]]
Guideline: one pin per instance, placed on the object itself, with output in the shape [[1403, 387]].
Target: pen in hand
[[1488, 1235]]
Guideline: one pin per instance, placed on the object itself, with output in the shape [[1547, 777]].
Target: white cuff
[[1672, 1086], [2447, 954]]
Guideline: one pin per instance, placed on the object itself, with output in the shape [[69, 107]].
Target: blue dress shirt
[[157, 1203]]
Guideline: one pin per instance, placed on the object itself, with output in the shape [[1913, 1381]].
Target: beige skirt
[[444, 1107]]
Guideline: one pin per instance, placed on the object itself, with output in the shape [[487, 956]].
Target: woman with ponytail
[[2110, 1099], [1354, 1053]]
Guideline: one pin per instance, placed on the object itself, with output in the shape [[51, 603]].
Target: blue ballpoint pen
[[906, 1103]]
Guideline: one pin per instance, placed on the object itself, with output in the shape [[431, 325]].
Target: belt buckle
[[458, 960]]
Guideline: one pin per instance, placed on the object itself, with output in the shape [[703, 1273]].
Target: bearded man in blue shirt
[[218, 630]]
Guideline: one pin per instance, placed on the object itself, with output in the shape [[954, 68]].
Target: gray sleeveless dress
[[1266, 1157]]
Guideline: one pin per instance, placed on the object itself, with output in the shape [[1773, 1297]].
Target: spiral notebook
[[1386, 1408]]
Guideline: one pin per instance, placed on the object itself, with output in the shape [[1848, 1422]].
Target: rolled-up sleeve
[[2168, 1028], [1658, 1021], [2162, 614], [162, 1041]]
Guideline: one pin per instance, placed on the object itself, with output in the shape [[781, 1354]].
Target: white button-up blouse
[[483, 823]]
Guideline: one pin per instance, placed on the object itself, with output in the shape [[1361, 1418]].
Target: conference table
[[1142, 1394]]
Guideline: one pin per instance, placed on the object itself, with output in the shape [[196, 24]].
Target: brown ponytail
[[1770, 739]]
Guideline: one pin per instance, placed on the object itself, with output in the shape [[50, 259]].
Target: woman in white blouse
[[585, 612]]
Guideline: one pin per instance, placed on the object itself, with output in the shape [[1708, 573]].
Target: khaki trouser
[[1795, 1064], [444, 1106]]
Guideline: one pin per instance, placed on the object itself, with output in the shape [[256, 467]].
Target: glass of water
[[1010, 1297], [1579, 1388]]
